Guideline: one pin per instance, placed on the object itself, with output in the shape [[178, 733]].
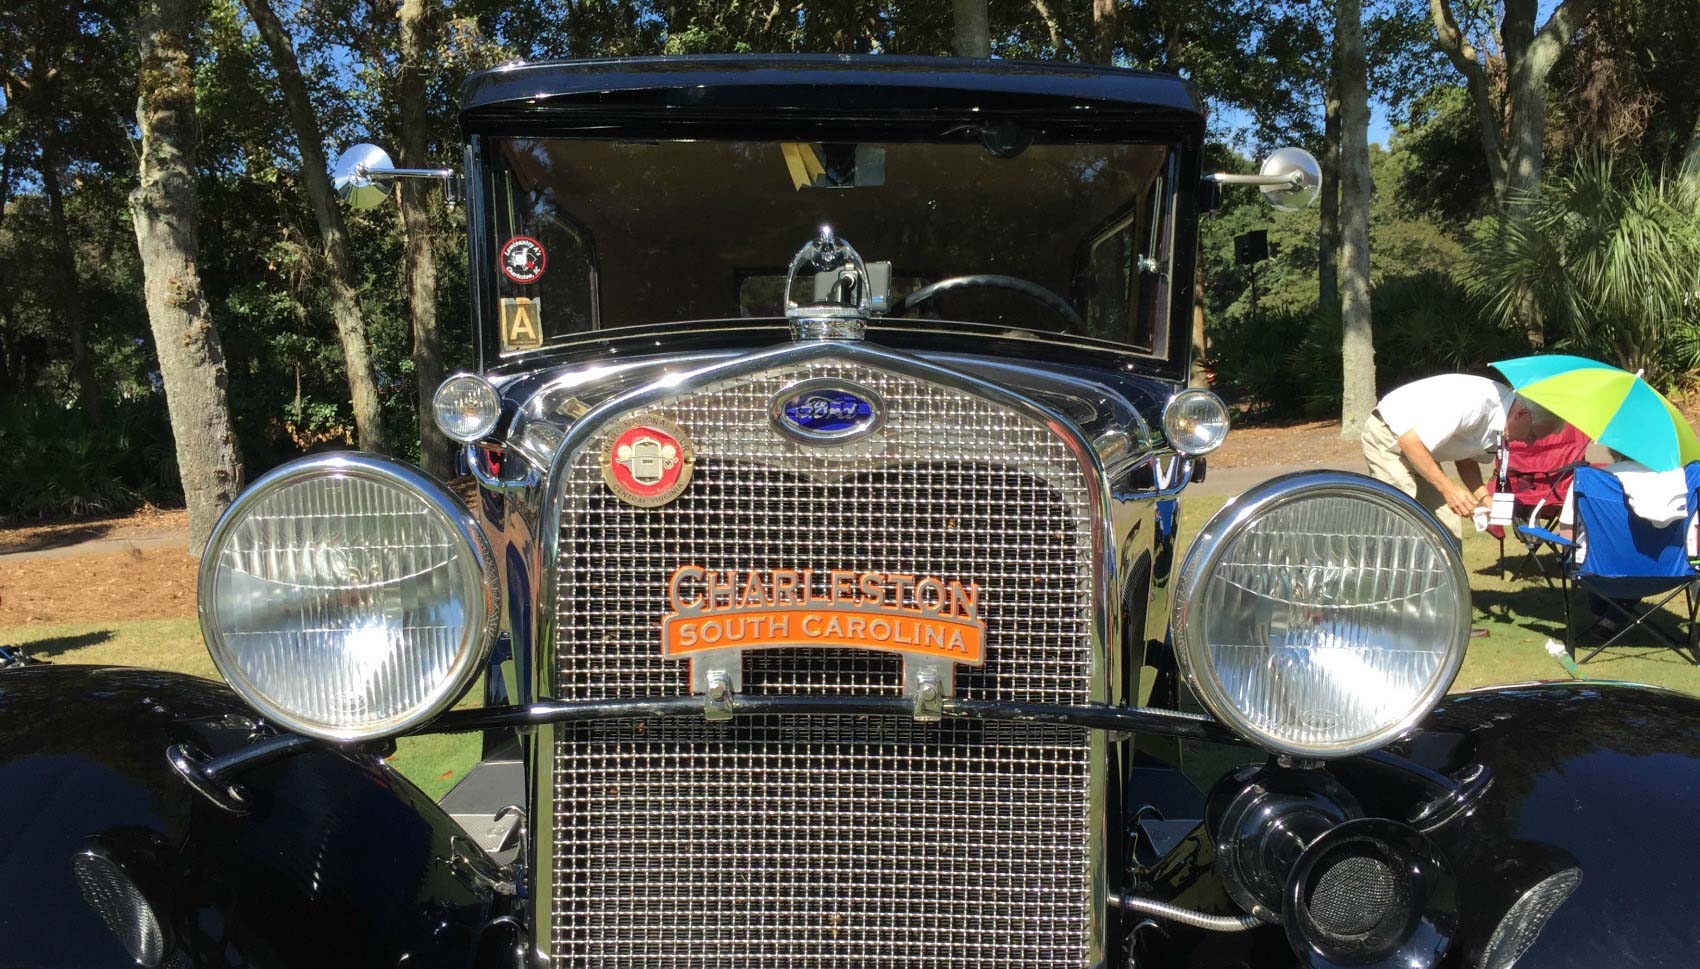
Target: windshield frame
[[1181, 134]]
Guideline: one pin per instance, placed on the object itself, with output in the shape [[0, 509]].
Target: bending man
[[1452, 417]]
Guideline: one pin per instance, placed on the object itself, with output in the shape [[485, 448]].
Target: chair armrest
[[1544, 535]]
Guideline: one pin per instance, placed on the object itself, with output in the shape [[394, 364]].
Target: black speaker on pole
[[1251, 248]]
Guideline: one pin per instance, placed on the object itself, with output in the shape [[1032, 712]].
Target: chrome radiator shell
[[693, 873]]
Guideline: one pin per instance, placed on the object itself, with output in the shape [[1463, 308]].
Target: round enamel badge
[[523, 259], [647, 461]]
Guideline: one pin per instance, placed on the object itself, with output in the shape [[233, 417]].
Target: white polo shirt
[[1458, 417]]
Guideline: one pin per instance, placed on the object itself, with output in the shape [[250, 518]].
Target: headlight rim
[[1170, 407], [484, 384], [482, 584], [1207, 549]]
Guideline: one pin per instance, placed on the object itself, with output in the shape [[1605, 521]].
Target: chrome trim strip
[[1178, 478], [501, 486], [1106, 642], [1169, 723], [478, 638]]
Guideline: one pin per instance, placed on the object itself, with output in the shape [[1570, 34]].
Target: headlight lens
[[348, 596], [466, 407], [1195, 422], [1322, 614]]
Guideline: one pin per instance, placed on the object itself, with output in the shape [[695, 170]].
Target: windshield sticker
[[522, 323], [523, 259], [648, 461], [768, 608]]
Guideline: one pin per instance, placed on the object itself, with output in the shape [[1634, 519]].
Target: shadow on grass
[[1537, 609], [59, 538], [1540, 610], [1600, 667], [59, 645]]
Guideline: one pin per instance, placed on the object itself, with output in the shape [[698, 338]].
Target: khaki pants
[[1387, 463]]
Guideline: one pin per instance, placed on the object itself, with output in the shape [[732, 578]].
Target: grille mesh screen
[[814, 841]]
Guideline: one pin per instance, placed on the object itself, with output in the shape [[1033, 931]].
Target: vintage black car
[[823, 596]]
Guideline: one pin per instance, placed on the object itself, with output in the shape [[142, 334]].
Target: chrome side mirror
[[1290, 179], [363, 173]]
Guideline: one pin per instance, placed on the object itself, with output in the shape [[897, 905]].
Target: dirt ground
[[146, 523], [1299, 443], [155, 583]]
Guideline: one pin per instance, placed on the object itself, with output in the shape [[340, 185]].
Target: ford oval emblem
[[827, 411]]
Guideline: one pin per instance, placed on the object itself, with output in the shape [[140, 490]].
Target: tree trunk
[[971, 35], [421, 260], [1104, 31], [73, 311], [1527, 80], [1357, 350], [345, 299], [1328, 234], [191, 359], [1514, 150]]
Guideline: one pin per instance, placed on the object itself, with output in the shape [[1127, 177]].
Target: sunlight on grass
[[161, 644], [436, 763]]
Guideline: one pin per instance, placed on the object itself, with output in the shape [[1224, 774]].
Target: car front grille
[[819, 841]]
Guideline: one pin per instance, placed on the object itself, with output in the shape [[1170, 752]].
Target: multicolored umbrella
[[1614, 407]]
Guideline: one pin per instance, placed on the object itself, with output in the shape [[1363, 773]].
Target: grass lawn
[[1519, 616]]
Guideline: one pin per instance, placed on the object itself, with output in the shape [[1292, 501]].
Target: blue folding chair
[[1629, 561]]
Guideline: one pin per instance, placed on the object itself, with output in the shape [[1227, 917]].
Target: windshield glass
[[1065, 238]]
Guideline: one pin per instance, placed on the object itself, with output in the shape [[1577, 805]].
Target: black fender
[[1603, 778], [337, 861]]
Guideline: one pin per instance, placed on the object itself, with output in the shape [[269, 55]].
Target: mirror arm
[[450, 179], [1290, 180], [387, 173]]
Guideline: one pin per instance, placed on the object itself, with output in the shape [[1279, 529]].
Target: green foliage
[[1440, 170], [1607, 261], [69, 106], [1252, 359], [61, 463], [1287, 362]]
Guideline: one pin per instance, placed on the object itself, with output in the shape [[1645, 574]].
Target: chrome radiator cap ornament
[[842, 312]]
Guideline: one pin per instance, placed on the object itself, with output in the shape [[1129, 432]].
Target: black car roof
[[822, 84]]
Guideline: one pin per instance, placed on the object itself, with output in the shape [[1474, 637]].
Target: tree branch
[[1467, 60], [1543, 50], [1051, 26]]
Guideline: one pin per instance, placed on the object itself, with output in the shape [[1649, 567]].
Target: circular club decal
[[523, 259], [647, 461]]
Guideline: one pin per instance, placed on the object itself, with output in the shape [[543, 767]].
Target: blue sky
[[1380, 125]]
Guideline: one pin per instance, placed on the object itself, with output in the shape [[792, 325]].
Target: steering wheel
[[1031, 290]]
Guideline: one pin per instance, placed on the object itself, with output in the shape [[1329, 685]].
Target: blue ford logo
[[827, 411]]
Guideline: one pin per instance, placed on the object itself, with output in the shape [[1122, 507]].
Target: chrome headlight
[[348, 596], [466, 407], [1195, 422], [1321, 614]]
